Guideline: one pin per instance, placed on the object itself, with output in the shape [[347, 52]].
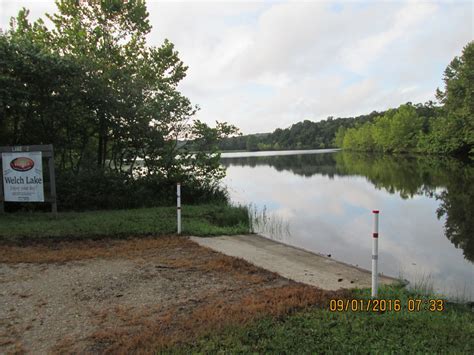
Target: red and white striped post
[[375, 253], [178, 205]]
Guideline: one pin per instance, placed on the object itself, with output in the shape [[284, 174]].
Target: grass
[[200, 220], [319, 330], [171, 328], [147, 333]]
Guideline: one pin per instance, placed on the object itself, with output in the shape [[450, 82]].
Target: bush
[[99, 190]]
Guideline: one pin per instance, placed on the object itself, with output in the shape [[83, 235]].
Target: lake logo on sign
[[22, 164]]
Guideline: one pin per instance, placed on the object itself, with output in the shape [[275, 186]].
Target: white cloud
[[263, 65], [38, 8], [368, 49]]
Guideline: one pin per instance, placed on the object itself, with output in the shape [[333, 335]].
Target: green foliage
[[339, 138], [197, 220], [41, 98], [252, 143], [445, 130], [227, 216], [396, 131], [321, 331], [107, 102], [302, 135], [96, 189]]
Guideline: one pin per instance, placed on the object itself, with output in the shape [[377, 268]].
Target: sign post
[[375, 254], [22, 175], [178, 206]]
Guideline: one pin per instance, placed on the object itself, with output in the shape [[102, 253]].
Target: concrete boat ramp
[[292, 263]]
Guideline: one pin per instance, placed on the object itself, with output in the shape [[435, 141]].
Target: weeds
[[268, 224], [424, 284]]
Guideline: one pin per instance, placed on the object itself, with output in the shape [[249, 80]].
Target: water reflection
[[423, 198]]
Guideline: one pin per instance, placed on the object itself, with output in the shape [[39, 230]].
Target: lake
[[322, 201]]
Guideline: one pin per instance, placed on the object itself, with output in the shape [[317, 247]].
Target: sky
[[269, 64]]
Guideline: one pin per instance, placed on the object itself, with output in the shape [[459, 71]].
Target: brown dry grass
[[81, 250], [174, 251], [210, 261], [146, 331]]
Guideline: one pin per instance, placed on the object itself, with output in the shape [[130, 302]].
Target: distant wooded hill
[[447, 129], [305, 134]]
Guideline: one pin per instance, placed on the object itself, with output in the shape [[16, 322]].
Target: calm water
[[322, 201]]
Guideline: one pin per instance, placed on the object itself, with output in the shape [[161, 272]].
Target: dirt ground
[[132, 295]]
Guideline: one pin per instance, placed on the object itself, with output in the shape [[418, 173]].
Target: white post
[[178, 207], [375, 253]]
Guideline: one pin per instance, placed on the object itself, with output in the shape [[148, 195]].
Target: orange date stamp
[[386, 305]]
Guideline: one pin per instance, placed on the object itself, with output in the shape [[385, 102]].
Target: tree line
[[109, 104], [446, 129], [301, 135]]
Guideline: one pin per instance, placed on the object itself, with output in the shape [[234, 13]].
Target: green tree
[[382, 132], [454, 131], [106, 100], [42, 99], [252, 143], [339, 138], [405, 128], [109, 39]]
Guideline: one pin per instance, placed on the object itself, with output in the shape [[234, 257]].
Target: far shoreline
[[265, 153]]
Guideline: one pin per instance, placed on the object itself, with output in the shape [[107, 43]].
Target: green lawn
[[321, 331], [196, 220]]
